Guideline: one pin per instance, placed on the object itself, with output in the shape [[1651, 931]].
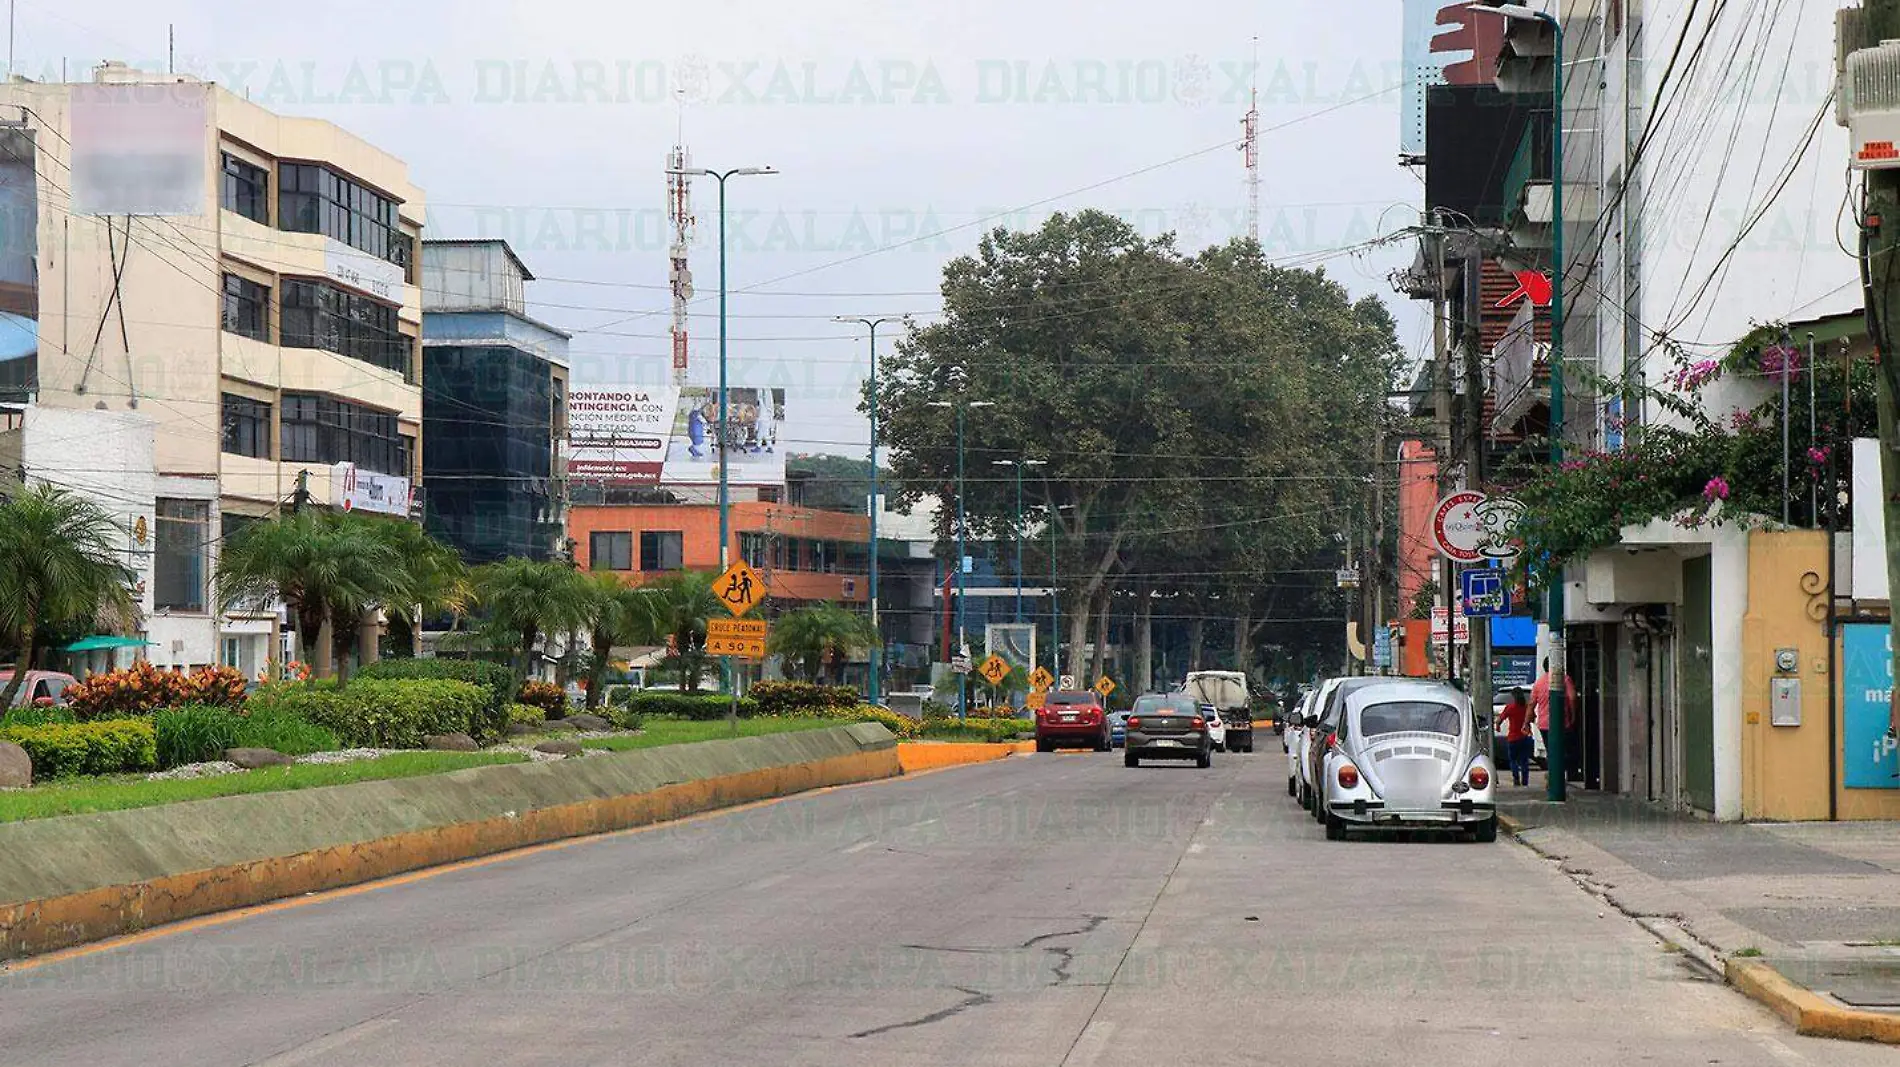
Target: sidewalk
[[1817, 902]]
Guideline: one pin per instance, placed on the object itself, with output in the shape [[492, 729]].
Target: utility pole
[[302, 496], [1375, 541], [1441, 417], [1476, 477]]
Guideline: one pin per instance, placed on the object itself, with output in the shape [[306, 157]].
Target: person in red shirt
[[1518, 745], [1540, 700]]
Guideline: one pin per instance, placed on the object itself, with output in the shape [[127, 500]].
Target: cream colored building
[[269, 328]]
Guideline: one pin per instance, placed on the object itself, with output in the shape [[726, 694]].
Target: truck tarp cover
[[1223, 690]]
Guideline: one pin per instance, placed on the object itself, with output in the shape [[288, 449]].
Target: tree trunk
[[1196, 637], [1078, 640], [1098, 663], [29, 647], [1243, 643], [368, 637], [325, 667], [1144, 645], [529, 635], [597, 671]]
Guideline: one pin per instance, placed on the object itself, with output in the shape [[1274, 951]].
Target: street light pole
[[877, 650], [1019, 465], [963, 689]]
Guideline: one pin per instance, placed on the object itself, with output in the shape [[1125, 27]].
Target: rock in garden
[[559, 748], [588, 722], [16, 767], [555, 726], [522, 729], [252, 758], [456, 742]]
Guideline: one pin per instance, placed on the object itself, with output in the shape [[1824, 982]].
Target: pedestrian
[[1518, 745], [1540, 700]]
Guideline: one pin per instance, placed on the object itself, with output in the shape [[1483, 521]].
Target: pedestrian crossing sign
[[739, 589]]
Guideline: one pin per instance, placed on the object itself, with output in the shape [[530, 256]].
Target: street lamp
[[1559, 691], [877, 652], [1055, 596], [1019, 521], [961, 406]]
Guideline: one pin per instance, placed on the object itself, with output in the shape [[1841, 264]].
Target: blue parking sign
[[1485, 593]]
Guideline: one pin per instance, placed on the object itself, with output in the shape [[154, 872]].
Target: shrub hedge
[[193, 734], [376, 713], [779, 698], [991, 730], [526, 715], [276, 728], [34, 715], [142, 689], [700, 706], [107, 746], [544, 695], [499, 681]]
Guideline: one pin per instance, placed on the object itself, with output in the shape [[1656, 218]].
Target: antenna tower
[[679, 211], [1250, 147]]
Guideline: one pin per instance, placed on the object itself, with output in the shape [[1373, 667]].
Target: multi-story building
[[494, 406], [247, 283]]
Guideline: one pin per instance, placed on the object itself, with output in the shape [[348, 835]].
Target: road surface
[[1050, 909]]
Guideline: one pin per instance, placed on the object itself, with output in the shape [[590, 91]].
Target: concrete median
[[935, 755], [75, 879]]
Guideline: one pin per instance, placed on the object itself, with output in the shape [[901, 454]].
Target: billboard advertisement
[[666, 435], [1870, 751], [19, 266], [139, 149]]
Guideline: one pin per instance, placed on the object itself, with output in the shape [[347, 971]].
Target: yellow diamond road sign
[[1041, 678], [1104, 685], [995, 669], [739, 589]]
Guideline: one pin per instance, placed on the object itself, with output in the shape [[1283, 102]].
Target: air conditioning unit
[[1871, 94]]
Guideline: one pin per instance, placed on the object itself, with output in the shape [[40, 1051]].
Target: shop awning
[[97, 644]]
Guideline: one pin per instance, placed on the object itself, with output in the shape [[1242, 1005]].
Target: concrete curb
[[95, 910], [1811, 1014], [931, 756]]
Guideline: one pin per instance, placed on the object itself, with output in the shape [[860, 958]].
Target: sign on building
[[668, 435], [1871, 753], [354, 489], [140, 149]]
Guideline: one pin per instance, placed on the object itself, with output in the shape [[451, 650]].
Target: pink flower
[[1692, 376], [1780, 361], [1818, 456], [1717, 489]]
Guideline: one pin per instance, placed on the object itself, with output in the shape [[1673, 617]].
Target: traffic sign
[[1066, 682], [739, 589], [744, 638], [1104, 686], [960, 664], [1036, 699], [994, 670], [1040, 678], [1485, 593]]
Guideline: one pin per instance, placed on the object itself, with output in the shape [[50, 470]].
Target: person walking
[[1540, 702], [1518, 744]]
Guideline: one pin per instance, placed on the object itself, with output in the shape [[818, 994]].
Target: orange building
[[1418, 495], [804, 554]]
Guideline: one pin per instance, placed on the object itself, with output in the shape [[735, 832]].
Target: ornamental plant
[[136, 690]]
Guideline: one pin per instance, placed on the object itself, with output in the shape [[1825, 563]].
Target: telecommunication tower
[[1250, 147], [679, 211]]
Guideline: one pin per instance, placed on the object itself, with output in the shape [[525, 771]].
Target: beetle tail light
[[1480, 778], [1348, 776]]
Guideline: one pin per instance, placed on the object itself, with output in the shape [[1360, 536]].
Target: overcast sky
[[900, 128]]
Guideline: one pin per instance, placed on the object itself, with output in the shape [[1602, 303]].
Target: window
[[323, 429], [317, 315], [1409, 716], [752, 549], [661, 550], [246, 190], [314, 199], [246, 307], [610, 551], [180, 544], [246, 426]]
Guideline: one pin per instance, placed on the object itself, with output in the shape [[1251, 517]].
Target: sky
[[903, 131]]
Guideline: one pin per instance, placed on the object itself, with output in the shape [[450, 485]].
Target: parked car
[[1321, 727], [1117, 728], [40, 685], [1408, 754], [1227, 692], [1168, 726], [1072, 720], [1293, 740], [1217, 727]]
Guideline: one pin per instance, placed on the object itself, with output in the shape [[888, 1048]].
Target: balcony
[[1526, 192]]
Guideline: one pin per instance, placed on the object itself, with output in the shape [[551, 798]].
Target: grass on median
[[657, 732], [119, 792]]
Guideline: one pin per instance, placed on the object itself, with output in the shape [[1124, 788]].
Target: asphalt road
[[1056, 909]]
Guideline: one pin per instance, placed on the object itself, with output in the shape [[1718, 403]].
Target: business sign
[[1485, 593], [1870, 752], [1015, 642], [354, 489], [19, 265], [359, 270], [1461, 629], [139, 149], [1445, 43], [1509, 672], [1382, 649], [667, 435], [1469, 527]]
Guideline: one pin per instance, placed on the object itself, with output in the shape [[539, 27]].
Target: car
[[1168, 726], [1227, 691], [39, 686], [1072, 720], [1117, 728], [1293, 740], [1539, 758], [1407, 753], [1320, 726], [1216, 726]]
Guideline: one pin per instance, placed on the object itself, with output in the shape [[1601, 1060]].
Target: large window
[[323, 429], [314, 199], [246, 189], [246, 426], [180, 542], [611, 551], [317, 315], [246, 307], [752, 549], [661, 550]]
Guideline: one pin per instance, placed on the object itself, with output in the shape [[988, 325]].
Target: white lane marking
[[769, 882], [1196, 847], [859, 847], [1779, 1050], [326, 1044]]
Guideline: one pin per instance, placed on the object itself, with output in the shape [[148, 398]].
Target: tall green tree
[[618, 614], [325, 567], [58, 566], [433, 579], [522, 600], [688, 601], [819, 634]]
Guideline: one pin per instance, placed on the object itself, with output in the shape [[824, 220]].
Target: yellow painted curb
[[1808, 1012], [34, 927], [1509, 824], [930, 756]]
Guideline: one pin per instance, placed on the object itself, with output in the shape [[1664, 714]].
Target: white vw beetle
[[1407, 753]]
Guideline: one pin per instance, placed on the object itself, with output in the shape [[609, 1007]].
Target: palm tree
[[323, 566], [812, 635], [618, 614], [433, 579], [688, 601], [58, 566], [521, 600]]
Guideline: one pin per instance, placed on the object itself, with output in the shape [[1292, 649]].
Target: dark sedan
[[1168, 726]]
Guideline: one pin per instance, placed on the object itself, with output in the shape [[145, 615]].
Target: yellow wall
[[1784, 768]]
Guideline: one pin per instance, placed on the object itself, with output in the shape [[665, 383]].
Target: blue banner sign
[[1871, 755]]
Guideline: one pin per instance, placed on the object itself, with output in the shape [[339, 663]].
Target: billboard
[[667, 435], [139, 149], [19, 266], [1869, 750]]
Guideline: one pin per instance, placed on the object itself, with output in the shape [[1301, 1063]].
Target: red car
[[1072, 720]]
